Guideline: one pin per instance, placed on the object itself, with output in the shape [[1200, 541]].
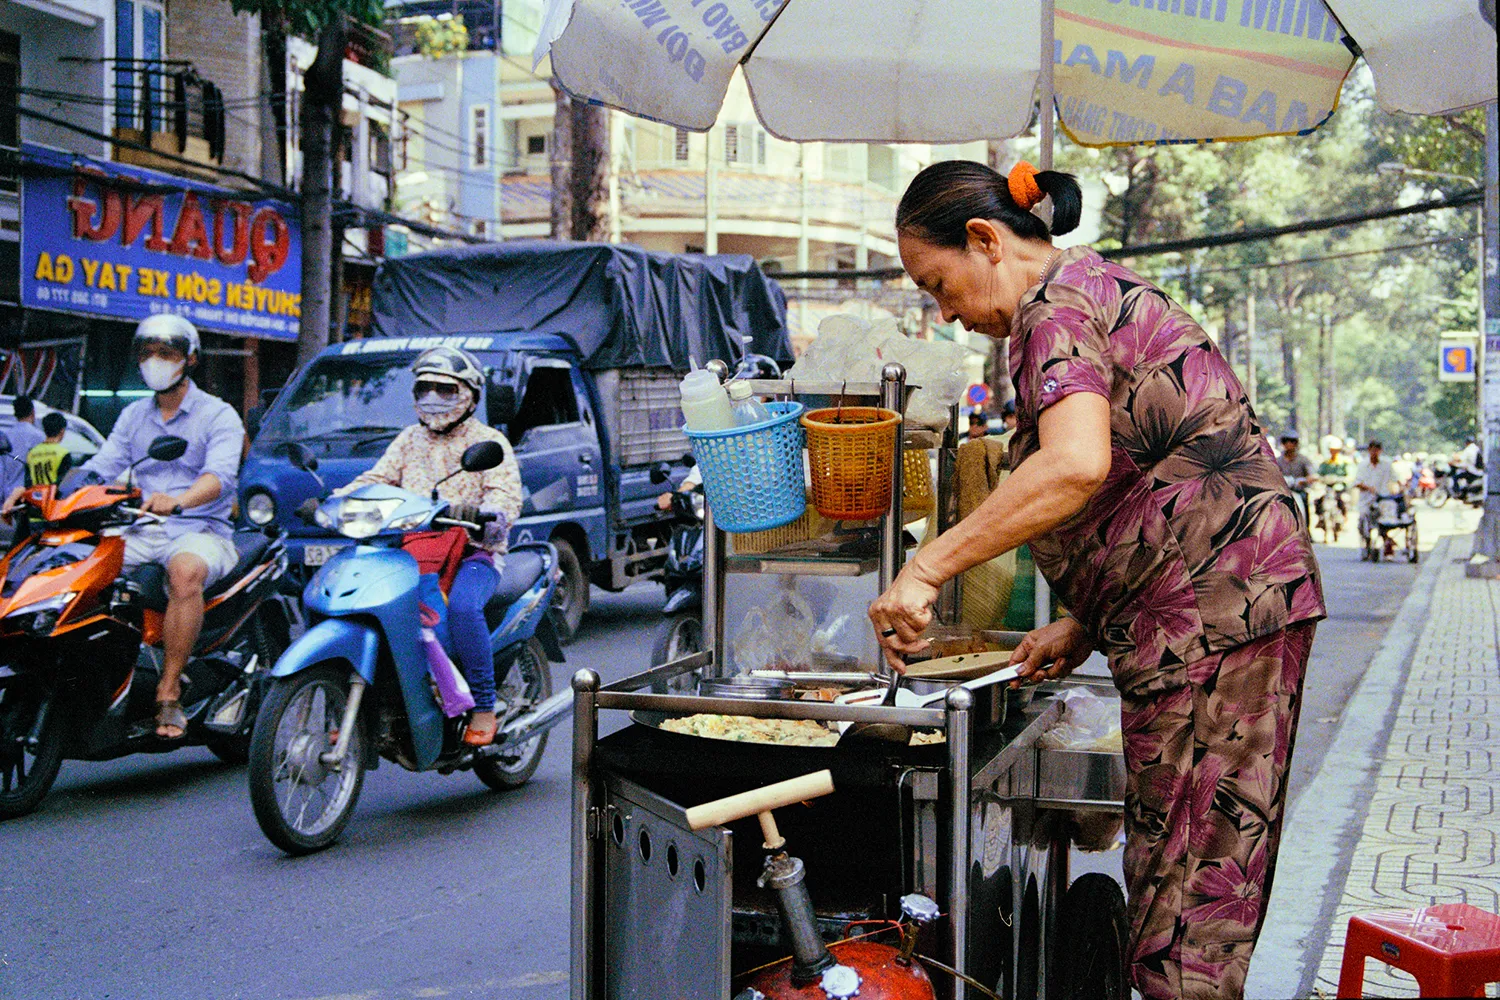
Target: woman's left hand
[[902, 613]]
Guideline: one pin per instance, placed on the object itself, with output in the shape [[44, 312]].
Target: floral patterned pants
[[1207, 767]]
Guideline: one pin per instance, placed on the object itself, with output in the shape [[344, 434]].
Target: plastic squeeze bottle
[[705, 404], [747, 409]]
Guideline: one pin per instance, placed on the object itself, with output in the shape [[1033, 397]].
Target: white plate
[[317, 555]]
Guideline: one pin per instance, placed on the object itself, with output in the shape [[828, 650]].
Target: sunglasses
[[442, 390]]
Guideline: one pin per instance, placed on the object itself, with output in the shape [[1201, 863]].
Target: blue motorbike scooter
[[356, 686]]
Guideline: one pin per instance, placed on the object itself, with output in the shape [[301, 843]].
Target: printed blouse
[[418, 458], [1193, 545]]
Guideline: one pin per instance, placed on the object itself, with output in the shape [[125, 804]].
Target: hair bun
[[1024, 190]]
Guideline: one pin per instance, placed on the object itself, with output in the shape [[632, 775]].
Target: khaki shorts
[[149, 543]]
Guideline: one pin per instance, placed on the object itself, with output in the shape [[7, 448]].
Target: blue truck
[[583, 347]]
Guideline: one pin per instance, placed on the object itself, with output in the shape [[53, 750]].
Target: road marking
[[521, 982]]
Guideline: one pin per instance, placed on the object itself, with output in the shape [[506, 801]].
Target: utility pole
[[1250, 374], [710, 195], [1487, 538], [323, 96]]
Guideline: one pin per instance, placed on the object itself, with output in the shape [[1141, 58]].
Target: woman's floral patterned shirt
[[1193, 545], [418, 459]]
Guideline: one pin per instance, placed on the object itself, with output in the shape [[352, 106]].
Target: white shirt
[[1470, 457], [1378, 477]]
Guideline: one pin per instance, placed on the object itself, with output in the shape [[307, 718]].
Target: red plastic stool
[[1453, 949]]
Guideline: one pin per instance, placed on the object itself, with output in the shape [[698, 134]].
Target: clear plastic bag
[[849, 349], [1088, 722], [778, 636]]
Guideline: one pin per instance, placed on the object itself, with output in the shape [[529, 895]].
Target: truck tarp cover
[[623, 306]]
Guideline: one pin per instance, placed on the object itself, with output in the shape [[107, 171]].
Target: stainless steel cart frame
[[1032, 782], [1028, 783]]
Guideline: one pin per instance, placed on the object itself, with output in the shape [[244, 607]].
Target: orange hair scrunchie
[[1024, 190]]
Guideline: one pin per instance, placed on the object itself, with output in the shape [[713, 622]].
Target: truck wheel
[[571, 599], [1089, 958]]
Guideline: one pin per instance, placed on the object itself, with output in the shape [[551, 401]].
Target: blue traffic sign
[[978, 394]]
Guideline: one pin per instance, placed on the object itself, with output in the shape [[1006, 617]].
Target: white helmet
[[174, 331], [1330, 442]]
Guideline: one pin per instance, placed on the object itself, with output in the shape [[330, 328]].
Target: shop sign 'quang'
[[123, 242]]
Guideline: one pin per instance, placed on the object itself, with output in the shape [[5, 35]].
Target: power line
[[1293, 262], [273, 190]]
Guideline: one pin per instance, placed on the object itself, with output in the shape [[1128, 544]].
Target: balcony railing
[[169, 108]]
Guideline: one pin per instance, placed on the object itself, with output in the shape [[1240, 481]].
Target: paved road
[[148, 878]]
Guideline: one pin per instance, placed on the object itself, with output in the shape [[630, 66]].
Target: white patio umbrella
[[941, 71]]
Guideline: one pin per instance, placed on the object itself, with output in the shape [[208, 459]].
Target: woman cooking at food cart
[[1153, 505]]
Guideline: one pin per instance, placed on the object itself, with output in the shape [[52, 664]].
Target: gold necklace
[[1045, 264]]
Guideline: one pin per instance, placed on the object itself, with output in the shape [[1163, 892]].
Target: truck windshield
[[353, 404]]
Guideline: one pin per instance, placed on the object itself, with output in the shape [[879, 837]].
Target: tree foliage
[[305, 18], [441, 36], [1348, 320]]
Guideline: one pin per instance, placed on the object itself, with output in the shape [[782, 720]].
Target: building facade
[[149, 161]]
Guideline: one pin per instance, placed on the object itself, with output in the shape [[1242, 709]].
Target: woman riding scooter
[[446, 389]]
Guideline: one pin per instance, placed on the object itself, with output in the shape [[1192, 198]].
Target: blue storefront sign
[[104, 239]]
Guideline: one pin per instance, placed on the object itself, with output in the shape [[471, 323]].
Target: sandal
[[476, 736], [169, 715]]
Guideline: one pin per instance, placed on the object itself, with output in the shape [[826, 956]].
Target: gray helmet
[[174, 331], [453, 363]]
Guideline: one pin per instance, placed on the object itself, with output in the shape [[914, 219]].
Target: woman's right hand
[[1051, 652]]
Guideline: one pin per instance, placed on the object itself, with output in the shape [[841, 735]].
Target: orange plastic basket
[[917, 500], [850, 450]]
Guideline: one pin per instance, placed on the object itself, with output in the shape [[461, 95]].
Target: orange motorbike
[[80, 640]]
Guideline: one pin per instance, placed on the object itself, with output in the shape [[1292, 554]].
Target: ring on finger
[[888, 633]]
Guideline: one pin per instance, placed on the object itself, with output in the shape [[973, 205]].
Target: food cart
[[979, 818]]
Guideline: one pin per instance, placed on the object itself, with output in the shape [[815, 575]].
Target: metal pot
[[748, 688]]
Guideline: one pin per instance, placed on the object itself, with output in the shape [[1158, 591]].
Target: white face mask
[[159, 374]]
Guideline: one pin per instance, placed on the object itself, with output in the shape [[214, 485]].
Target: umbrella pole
[[1045, 84]]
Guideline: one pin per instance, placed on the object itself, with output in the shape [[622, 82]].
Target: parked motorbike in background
[[1465, 488], [681, 634], [80, 641], [359, 684]]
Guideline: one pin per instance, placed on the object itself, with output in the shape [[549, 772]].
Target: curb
[[1330, 813]]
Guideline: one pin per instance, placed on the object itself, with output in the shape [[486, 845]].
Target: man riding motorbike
[[1336, 473], [196, 549], [446, 391], [1296, 468]]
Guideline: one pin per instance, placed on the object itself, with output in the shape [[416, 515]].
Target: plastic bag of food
[[848, 349], [778, 636], [1088, 722]]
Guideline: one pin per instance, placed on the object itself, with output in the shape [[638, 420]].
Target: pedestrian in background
[[48, 462], [24, 435]]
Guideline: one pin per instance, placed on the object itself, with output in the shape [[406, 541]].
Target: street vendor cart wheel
[[1089, 958]]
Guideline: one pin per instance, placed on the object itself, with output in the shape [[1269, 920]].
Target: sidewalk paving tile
[[1431, 831]]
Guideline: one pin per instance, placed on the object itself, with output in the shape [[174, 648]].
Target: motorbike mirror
[[301, 457], [482, 456], [167, 448], [5, 445], [688, 461], [661, 474]]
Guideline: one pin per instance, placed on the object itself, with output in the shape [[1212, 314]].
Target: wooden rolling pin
[[759, 802]]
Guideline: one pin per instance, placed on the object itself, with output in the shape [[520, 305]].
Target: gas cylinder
[[865, 969]]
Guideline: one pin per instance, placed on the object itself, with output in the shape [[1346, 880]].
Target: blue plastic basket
[[753, 475]]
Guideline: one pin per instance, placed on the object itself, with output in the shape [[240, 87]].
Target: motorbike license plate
[[317, 555]]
